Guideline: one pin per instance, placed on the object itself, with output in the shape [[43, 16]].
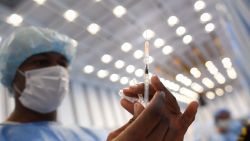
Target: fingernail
[[197, 104], [125, 88], [154, 75]]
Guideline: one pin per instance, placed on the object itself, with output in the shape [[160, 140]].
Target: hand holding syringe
[[144, 101]]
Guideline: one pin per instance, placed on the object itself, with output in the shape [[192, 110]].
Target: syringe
[[143, 100], [146, 72]]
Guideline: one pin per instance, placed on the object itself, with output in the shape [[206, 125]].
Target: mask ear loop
[[14, 85], [17, 89], [22, 73]]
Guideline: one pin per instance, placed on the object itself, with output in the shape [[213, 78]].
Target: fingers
[[129, 106], [189, 114], [170, 99], [149, 118], [138, 108], [133, 91], [159, 131], [115, 133]]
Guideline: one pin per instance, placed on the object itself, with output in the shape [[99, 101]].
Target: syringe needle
[[146, 72], [146, 86]]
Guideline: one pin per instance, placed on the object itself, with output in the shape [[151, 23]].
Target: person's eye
[[63, 64]]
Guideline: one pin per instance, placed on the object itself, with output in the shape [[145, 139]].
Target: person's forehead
[[52, 55], [48, 55]]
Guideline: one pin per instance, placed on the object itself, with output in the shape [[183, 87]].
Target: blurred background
[[199, 49]]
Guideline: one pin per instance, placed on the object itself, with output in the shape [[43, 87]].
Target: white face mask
[[45, 88], [224, 124]]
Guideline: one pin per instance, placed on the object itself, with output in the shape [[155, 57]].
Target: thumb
[[138, 108], [189, 114]]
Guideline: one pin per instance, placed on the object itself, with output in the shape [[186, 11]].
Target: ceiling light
[[189, 93], [119, 64], [159, 42], [187, 82], [210, 95], [167, 50], [98, 0], [197, 87], [14, 19], [228, 88], [182, 98], [211, 67], [138, 54], [195, 72], [88, 69], [130, 68], [106, 58], [139, 72], [205, 17], [151, 60], [219, 91], [150, 75], [231, 73], [180, 31], [102, 73], [162, 79], [133, 82], [199, 5], [70, 15], [74, 43], [124, 80], [148, 34], [171, 85], [173, 20], [114, 77], [93, 28], [0, 39], [208, 83], [187, 39], [40, 2], [209, 27], [179, 77], [183, 79], [220, 78], [126, 47], [226, 63], [119, 11]]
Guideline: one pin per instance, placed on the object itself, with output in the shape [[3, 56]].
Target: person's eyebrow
[[63, 58]]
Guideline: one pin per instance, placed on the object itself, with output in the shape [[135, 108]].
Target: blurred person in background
[[227, 129], [34, 69], [245, 133]]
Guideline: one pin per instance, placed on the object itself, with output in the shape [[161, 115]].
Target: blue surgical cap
[[221, 111], [29, 41]]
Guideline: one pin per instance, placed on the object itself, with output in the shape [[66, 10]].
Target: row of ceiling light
[[93, 28], [149, 34], [119, 11]]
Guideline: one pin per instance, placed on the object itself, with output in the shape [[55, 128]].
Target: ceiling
[[140, 15]]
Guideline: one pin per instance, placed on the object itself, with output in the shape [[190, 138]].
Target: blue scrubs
[[45, 131]]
